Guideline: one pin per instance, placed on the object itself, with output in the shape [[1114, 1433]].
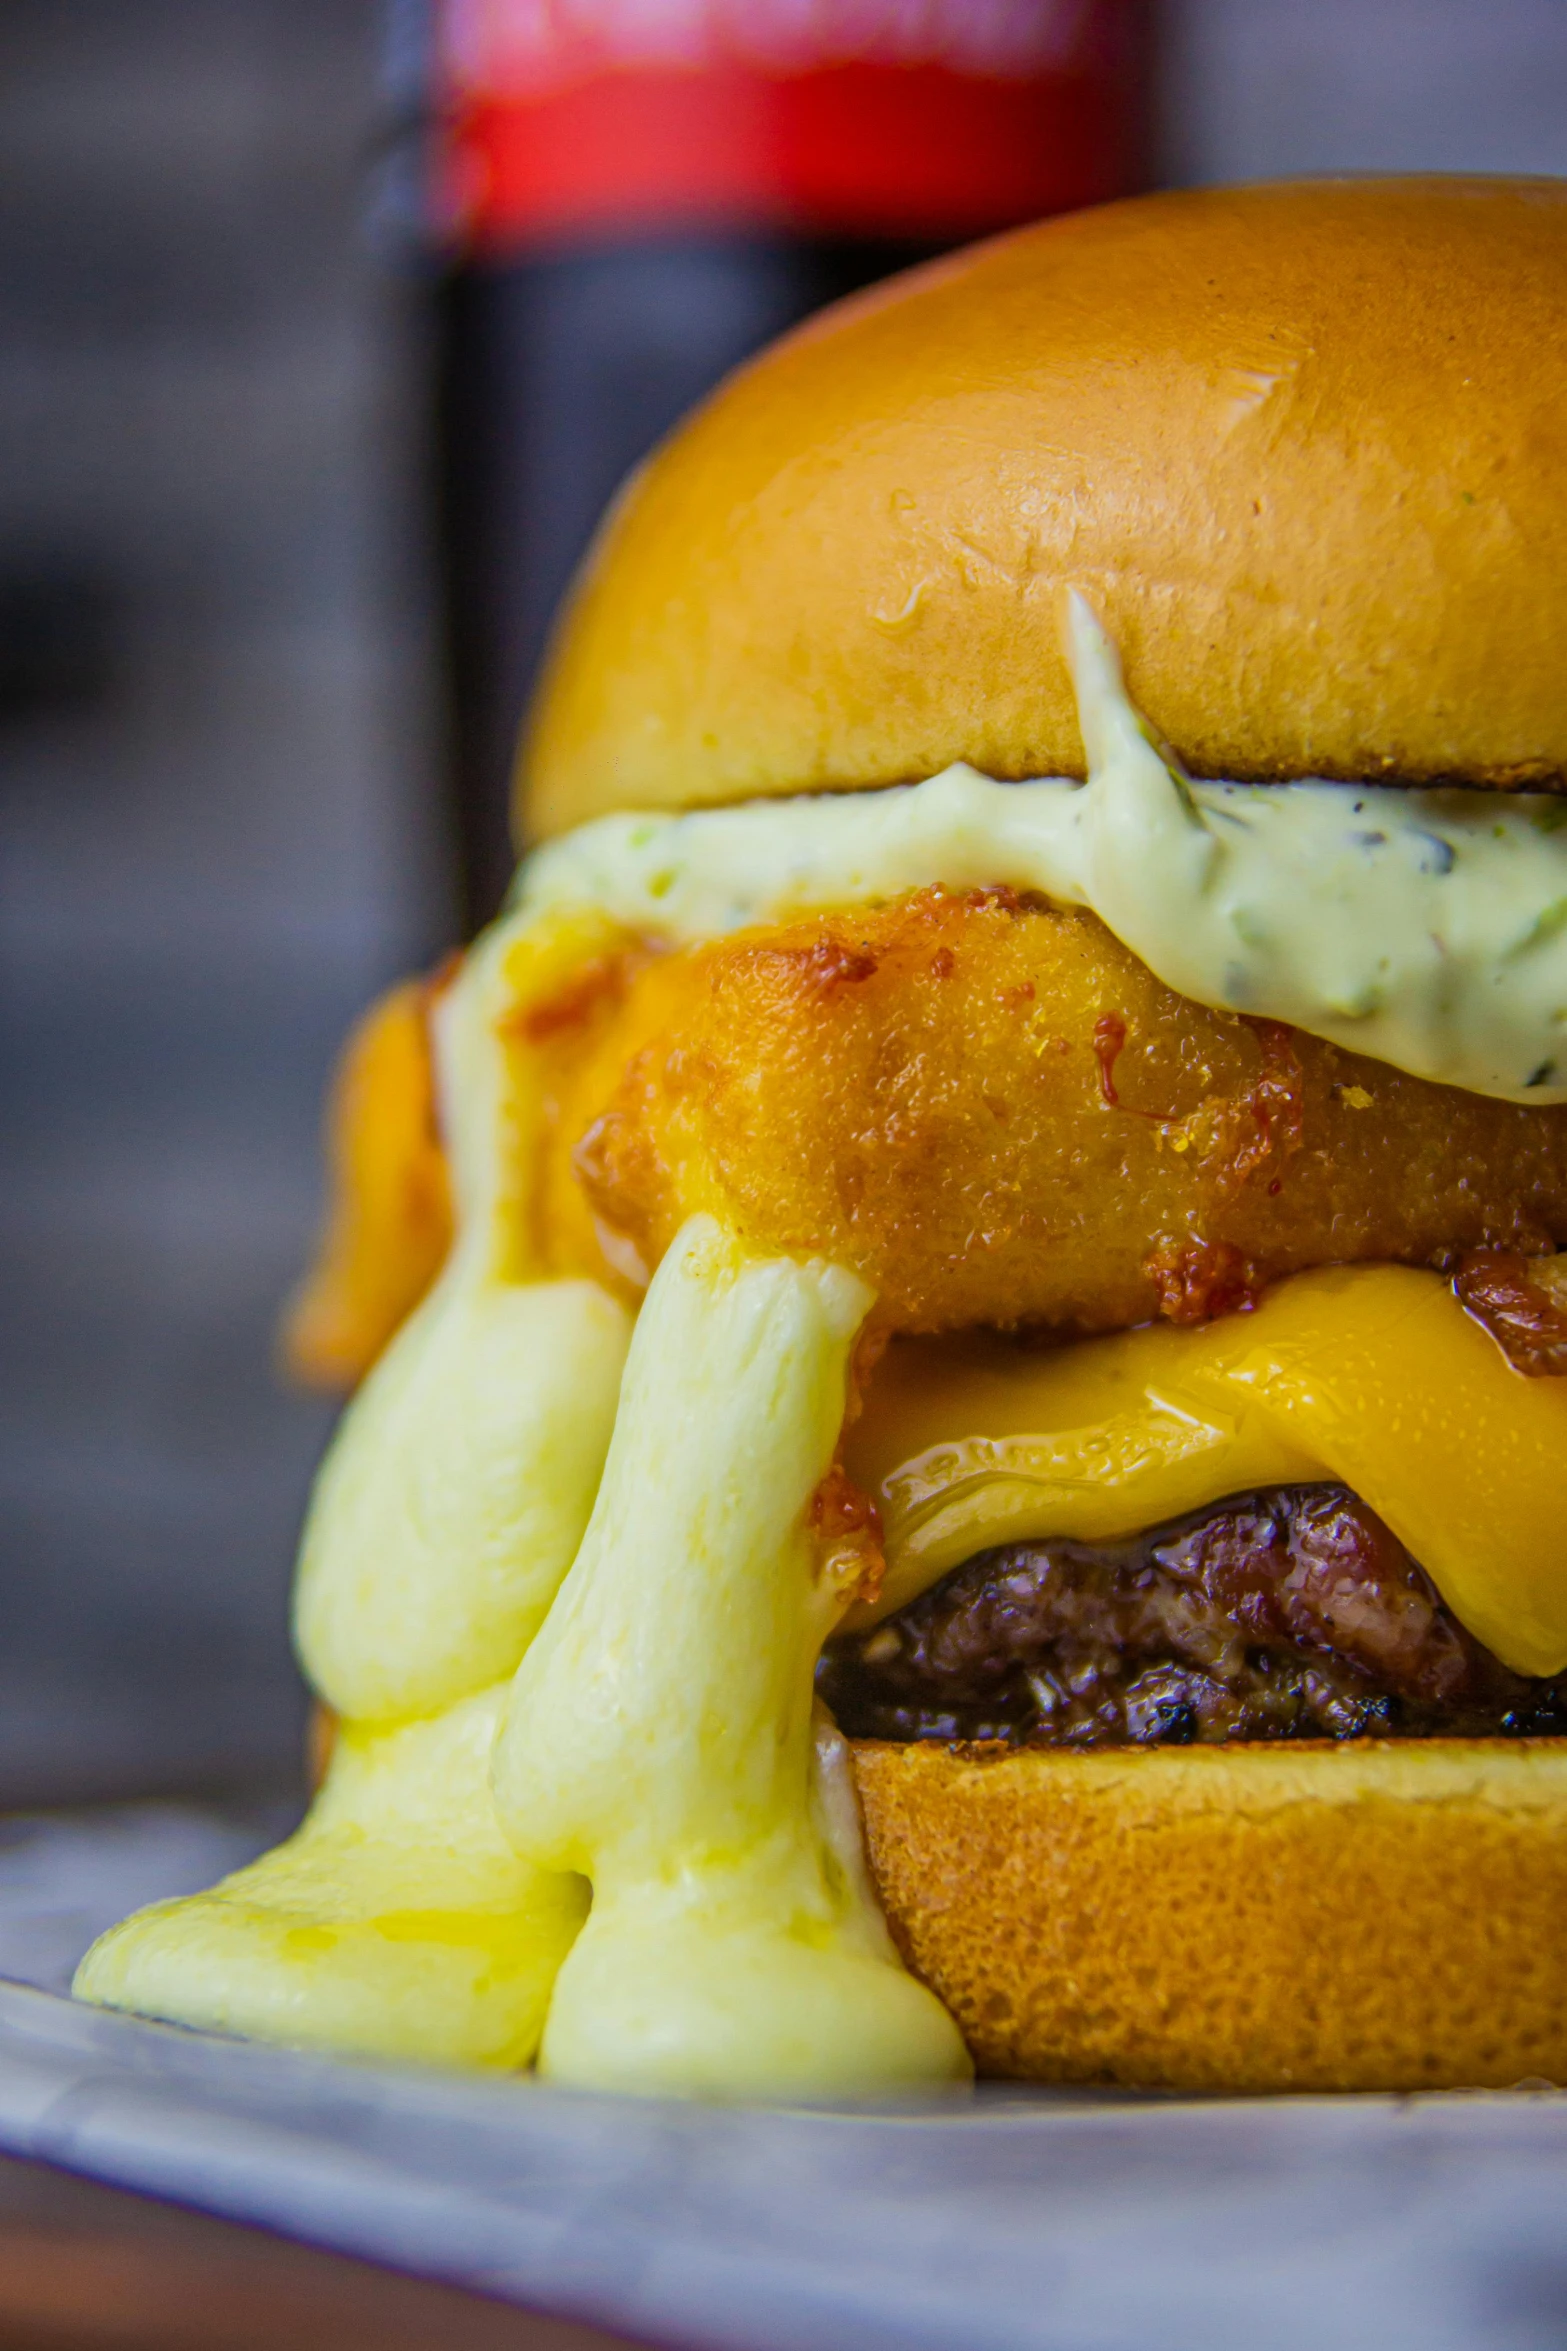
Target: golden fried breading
[[995, 1113], [389, 1219]]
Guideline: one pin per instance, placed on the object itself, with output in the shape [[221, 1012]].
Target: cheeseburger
[[962, 1457]]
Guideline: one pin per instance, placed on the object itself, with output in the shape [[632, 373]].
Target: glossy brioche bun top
[[1303, 446]]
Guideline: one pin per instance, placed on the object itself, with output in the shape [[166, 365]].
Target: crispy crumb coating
[[994, 1113], [389, 1221]]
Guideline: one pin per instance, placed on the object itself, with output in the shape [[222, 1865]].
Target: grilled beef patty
[[1288, 1613]]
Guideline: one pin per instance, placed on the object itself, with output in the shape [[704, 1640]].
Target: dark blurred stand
[[618, 218], [84, 2268], [557, 373]]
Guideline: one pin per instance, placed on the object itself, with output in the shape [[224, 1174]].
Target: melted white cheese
[[452, 1502], [446, 1513], [659, 1734], [460, 1483], [1426, 929], [397, 1922]]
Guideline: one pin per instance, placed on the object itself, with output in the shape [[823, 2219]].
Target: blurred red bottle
[[632, 195]]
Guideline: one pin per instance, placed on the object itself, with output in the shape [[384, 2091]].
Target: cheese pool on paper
[[659, 1737]]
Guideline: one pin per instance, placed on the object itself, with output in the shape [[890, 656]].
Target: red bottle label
[[938, 118]]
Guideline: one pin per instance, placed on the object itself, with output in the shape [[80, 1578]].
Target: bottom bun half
[[1360, 1917]]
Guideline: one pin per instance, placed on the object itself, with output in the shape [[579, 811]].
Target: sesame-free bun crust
[[1384, 1916], [1301, 445]]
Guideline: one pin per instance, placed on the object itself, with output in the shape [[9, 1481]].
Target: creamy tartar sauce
[[1424, 928]]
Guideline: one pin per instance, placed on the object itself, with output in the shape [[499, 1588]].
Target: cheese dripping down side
[[670, 1757], [398, 1921], [658, 1736], [1424, 928]]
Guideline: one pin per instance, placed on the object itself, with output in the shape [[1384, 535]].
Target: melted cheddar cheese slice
[[1371, 1375]]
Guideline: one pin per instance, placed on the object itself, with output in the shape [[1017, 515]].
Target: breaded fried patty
[[995, 1113]]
